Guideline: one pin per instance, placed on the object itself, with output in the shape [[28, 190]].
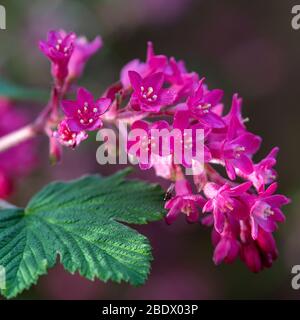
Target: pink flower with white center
[[184, 201], [149, 94], [200, 105], [83, 50], [84, 113], [236, 152], [146, 144], [67, 137], [59, 48], [189, 142], [263, 173], [265, 210], [225, 200]]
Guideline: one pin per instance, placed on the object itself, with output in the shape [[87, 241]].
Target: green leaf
[[80, 222], [16, 92]]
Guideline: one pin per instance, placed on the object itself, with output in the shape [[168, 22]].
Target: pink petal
[[69, 108], [167, 97], [214, 96], [221, 251], [244, 164], [135, 80], [155, 81], [103, 104], [238, 190], [84, 96]]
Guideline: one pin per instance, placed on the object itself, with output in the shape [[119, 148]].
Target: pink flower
[[260, 253], [146, 147], [234, 117], [263, 173], [226, 250], [250, 254], [200, 105], [83, 50], [59, 48], [223, 201], [184, 201], [154, 63], [182, 122], [85, 113], [181, 81], [67, 137], [265, 210], [236, 151], [149, 94]]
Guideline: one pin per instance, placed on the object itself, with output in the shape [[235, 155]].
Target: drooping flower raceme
[[241, 205]]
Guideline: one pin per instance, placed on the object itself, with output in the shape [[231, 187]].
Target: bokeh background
[[247, 47]]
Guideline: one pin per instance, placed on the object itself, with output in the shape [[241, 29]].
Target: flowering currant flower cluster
[[19, 161], [243, 215]]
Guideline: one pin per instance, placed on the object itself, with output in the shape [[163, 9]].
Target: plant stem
[[38, 126], [18, 136]]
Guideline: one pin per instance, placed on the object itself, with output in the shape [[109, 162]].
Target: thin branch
[[18, 136]]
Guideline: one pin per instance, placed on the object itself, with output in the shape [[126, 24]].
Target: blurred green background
[[247, 47]]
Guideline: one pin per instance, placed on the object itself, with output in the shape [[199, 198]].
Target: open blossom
[[263, 172], [265, 210], [224, 200], [147, 151], [200, 105], [59, 48], [84, 113], [83, 50], [236, 151], [67, 137], [149, 94], [184, 201], [192, 139]]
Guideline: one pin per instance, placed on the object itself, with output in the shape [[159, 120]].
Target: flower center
[[238, 151], [148, 94], [205, 107], [84, 114]]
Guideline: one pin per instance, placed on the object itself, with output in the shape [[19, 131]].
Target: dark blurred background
[[247, 47]]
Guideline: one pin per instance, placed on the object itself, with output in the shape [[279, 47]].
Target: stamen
[[150, 91]]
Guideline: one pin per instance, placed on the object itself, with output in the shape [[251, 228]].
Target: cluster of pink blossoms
[[243, 215]]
